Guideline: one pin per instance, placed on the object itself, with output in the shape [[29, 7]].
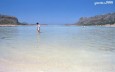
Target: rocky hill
[[97, 20], [4, 19]]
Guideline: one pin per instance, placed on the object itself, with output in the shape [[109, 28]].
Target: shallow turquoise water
[[57, 49]]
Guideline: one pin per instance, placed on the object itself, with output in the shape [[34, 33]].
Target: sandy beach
[[3, 25], [108, 25]]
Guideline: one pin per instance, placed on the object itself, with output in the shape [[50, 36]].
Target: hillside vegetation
[[4, 19], [97, 20]]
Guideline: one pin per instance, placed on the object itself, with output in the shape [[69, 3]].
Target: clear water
[[57, 49]]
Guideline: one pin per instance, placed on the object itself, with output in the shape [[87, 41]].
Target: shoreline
[[13, 25], [8, 25], [109, 25]]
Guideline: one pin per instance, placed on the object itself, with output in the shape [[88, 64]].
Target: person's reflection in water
[[37, 40]]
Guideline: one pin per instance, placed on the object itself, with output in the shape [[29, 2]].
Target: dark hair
[[37, 23]]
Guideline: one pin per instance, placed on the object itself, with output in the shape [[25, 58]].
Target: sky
[[54, 11]]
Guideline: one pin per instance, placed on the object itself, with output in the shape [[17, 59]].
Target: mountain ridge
[[104, 19], [5, 19]]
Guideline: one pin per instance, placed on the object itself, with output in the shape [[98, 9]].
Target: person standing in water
[[38, 27]]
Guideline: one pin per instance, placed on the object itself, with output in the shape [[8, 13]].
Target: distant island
[[106, 19]]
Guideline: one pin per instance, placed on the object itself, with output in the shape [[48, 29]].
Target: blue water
[[57, 49]]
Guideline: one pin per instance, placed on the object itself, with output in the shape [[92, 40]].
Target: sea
[[57, 48]]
